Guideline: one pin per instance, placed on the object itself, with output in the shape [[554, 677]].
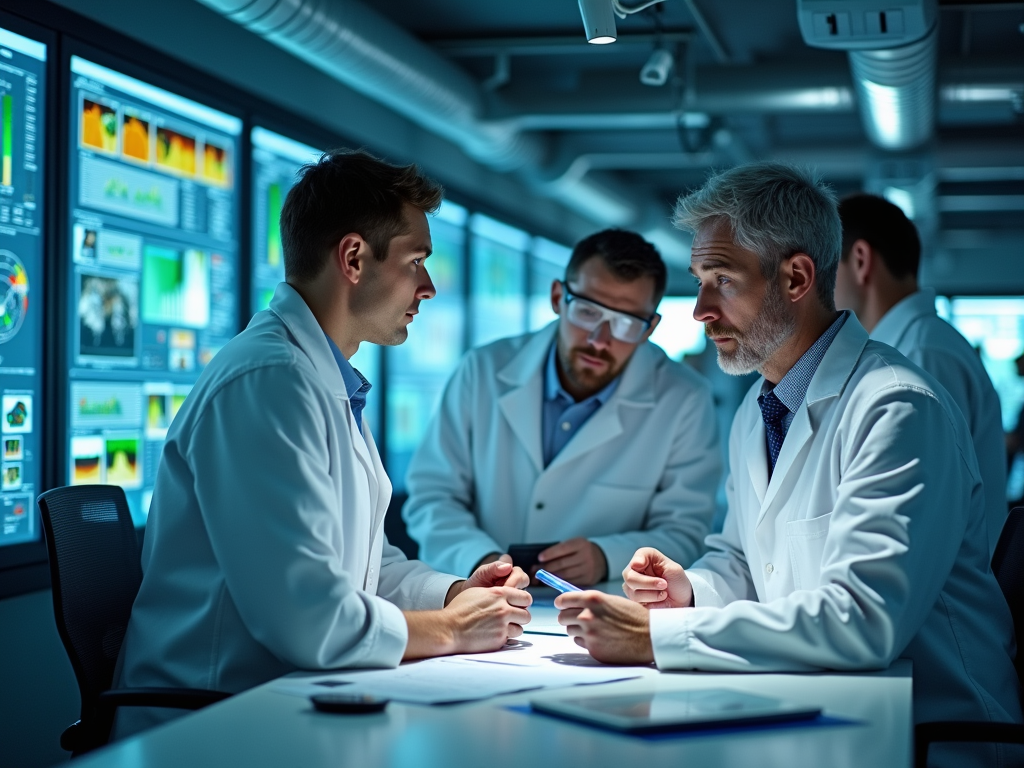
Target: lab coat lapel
[[755, 452], [380, 483], [827, 383], [522, 404]]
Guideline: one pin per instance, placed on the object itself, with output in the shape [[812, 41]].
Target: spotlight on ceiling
[[658, 67], [598, 21]]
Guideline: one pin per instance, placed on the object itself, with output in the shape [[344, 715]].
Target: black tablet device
[[525, 555]]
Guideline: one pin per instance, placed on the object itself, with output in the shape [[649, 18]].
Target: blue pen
[[553, 581]]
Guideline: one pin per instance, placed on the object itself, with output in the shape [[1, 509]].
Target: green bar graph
[[6, 105], [274, 225]]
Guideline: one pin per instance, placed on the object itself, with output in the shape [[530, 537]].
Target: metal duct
[[360, 48], [896, 89]]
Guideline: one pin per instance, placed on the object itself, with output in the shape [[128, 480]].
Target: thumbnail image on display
[[154, 269], [22, 153]]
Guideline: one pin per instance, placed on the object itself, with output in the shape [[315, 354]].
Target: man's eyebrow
[[708, 264]]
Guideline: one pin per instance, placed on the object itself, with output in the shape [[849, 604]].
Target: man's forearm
[[430, 633]]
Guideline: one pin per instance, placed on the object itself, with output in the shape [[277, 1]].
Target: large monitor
[[418, 370], [22, 153], [677, 332], [153, 282]]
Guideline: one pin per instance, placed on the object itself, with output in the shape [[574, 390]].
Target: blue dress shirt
[[562, 416], [793, 387], [355, 383]]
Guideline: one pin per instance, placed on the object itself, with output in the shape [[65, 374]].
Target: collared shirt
[[355, 383], [793, 387], [562, 416]]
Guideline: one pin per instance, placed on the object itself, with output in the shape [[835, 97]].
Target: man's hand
[[577, 560], [482, 619], [613, 629], [496, 573], [655, 581]]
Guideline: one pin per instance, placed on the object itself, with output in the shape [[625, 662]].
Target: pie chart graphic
[[13, 295]]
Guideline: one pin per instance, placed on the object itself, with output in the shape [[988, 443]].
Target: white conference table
[[265, 728]]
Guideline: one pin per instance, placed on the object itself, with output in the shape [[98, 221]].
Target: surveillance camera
[[658, 68], [598, 21]]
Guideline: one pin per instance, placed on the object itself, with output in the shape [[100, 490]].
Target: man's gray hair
[[774, 210]]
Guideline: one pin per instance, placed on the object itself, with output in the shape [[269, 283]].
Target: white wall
[[38, 692]]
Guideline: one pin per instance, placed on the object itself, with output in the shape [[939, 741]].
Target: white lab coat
[[868, 544], [913, 327], [642, 471], [265, 549]]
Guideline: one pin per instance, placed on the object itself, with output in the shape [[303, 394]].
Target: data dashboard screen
[[154, 211], [418, 370], [22, 132]]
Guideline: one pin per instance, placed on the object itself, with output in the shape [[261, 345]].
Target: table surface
[[265, 728]]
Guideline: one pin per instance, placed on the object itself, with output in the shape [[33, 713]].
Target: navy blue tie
[[773, 412]]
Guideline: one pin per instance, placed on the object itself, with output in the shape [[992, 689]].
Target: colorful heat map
[[99, 126], [13, 295]]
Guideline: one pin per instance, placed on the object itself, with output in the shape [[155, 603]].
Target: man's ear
[[557, 291], [350, 256], [799, 276], [862, 261]]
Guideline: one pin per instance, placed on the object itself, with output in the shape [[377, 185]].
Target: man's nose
[[601, 336], [706, 309], [426, 289]]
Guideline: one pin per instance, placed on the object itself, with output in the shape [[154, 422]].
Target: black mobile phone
[[525, 555], [348, 703]]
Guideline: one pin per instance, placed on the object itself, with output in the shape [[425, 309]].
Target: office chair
[[1008, 566], [96, 571]]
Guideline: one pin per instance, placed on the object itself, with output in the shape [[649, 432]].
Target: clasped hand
[[489, 607], [616, 630]]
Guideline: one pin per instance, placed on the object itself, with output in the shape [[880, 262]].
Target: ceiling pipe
[[896, 92], [362, 49]]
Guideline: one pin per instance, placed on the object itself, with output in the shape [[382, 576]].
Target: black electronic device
[[348, 703], [525, 555]]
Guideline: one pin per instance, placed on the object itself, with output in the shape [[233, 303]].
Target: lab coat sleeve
[[883, 562], [411, 584], [680, 512], [439, 513], [274, 523]]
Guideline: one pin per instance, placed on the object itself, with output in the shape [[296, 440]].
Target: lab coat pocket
[[806, 542]]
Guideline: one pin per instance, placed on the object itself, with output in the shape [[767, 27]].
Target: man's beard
[[767, 333], [584, 379]]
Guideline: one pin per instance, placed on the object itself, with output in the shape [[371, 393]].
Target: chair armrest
[[996, 733], [176, 698]]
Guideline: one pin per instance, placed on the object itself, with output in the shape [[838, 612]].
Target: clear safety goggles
[[588, 315]]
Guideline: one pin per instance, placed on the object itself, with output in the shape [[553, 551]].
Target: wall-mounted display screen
[[497, 280], [153, 281], [419, 369], [22, 131]]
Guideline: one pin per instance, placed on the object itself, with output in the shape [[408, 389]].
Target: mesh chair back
[[96, 571], [1008, 566]]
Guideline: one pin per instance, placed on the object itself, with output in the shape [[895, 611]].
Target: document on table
[[529, 663]]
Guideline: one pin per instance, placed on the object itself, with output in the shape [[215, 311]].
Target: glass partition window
[[497, 280], [547, 264], [153, 283], [995, 327], [22, 121], [678, 333], [419, 369]]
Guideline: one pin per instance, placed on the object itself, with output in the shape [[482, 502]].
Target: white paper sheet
[[530, 663]]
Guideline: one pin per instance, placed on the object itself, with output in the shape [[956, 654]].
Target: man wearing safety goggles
[[581, 437]]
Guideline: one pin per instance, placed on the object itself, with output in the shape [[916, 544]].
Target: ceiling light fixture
[[598, 21], [658, 67]]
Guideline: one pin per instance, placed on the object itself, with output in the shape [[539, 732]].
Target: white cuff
[[704, 594], [670, 637]]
